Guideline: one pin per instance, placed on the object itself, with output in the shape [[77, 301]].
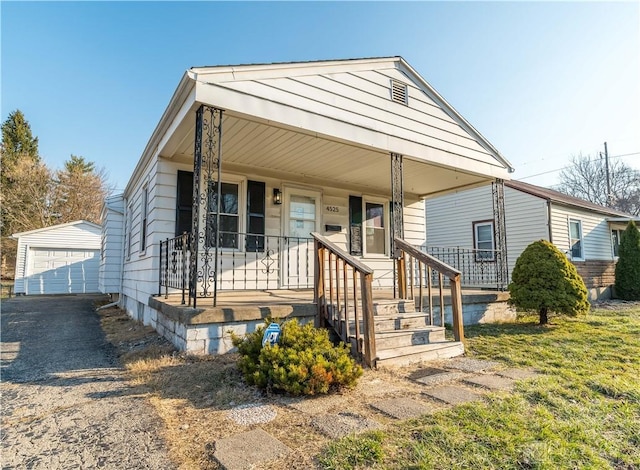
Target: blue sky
[[542, 81]]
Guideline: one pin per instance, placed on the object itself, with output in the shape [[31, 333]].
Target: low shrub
[[304, 362]]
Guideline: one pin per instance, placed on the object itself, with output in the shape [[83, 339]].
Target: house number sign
[[332, 209]]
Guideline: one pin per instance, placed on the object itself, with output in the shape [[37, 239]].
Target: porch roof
[[331, 122]]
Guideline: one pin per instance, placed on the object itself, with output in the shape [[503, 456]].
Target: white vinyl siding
[[596, 235], [450, 219], [112, 244], [59, 259]]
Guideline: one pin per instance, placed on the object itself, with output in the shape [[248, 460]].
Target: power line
[[567, 166]]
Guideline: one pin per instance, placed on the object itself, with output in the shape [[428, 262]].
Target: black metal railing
[[174, 265], [245, 261], [479, 268]]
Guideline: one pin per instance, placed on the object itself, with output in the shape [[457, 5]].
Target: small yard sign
[[271, 334]]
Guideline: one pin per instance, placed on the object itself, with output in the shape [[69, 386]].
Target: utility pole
[[606, 166]]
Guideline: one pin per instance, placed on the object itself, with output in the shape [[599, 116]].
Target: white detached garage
[[62, 259]]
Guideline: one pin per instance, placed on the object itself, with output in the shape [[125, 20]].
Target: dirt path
[[65, 400]]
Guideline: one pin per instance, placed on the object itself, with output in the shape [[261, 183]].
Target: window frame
[[144, 218], [581, 239], [386, 219], [613, 245], [478, 258]]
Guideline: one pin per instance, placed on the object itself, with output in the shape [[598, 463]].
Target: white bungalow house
[[588, 233], [250, 160]]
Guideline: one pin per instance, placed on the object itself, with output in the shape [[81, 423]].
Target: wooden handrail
[[349, 300], [432, 263], [336, 250]]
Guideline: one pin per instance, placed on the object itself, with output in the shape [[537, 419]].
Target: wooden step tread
[[418, 353]]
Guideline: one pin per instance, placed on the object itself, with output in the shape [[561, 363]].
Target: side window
[[483, 241], [575, 235], [616, 236], [255, 216], [144, 211]]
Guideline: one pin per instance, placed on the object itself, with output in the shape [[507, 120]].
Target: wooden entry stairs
[[387, 332]]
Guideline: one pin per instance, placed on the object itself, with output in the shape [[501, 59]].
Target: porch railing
[[245, 261], [343, 296], [479, 268], [415, 272]]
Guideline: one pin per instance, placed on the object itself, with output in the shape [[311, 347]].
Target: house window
[[616, 236], [143, 219], [184, 202], [229, 216], [575, 235], [375, 230], [483, 240]]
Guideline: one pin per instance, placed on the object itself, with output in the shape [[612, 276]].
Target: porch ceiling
[[252, 146]]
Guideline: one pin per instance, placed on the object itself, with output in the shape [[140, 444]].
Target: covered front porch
[[314, 177]]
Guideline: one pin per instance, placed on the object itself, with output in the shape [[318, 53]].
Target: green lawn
[[584, 412]]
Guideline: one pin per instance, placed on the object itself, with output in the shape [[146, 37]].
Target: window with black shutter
[[255, 216], [184, 202], [355, 225]]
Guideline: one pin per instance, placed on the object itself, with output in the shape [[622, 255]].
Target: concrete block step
[[406, 355], [393, 307], [410, 337]]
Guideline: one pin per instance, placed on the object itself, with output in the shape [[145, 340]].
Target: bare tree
[[586, 178], [79, 191]]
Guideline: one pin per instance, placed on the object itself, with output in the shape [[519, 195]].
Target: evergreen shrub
[[628, 265], [304, 362], [544, 281]]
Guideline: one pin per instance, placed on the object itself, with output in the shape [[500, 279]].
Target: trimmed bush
[[304, 362], [544, 281], [628, 265]]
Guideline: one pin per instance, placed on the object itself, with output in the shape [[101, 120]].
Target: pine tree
[[17, 141], [545, 281], [628, 265]]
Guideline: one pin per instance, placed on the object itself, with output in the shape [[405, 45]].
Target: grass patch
[[583, 413], [354, 452]]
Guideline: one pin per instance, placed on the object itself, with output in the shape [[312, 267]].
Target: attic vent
[[399, 92]]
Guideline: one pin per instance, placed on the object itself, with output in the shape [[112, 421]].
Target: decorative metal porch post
[[500, 234], [205, 229], [397, 221]]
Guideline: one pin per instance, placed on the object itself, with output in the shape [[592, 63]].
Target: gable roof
[[264, 71], [333, 102], [55, 227], [564, 199]]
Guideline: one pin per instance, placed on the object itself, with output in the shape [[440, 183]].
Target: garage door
[[62, 271]]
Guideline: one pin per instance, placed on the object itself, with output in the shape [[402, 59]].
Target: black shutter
[[255, 216], [184, 202], [355, 225]]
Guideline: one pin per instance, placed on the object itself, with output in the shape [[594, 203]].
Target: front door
[[301, 217]]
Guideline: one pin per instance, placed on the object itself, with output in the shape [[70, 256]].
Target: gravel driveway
[[65, 400]]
